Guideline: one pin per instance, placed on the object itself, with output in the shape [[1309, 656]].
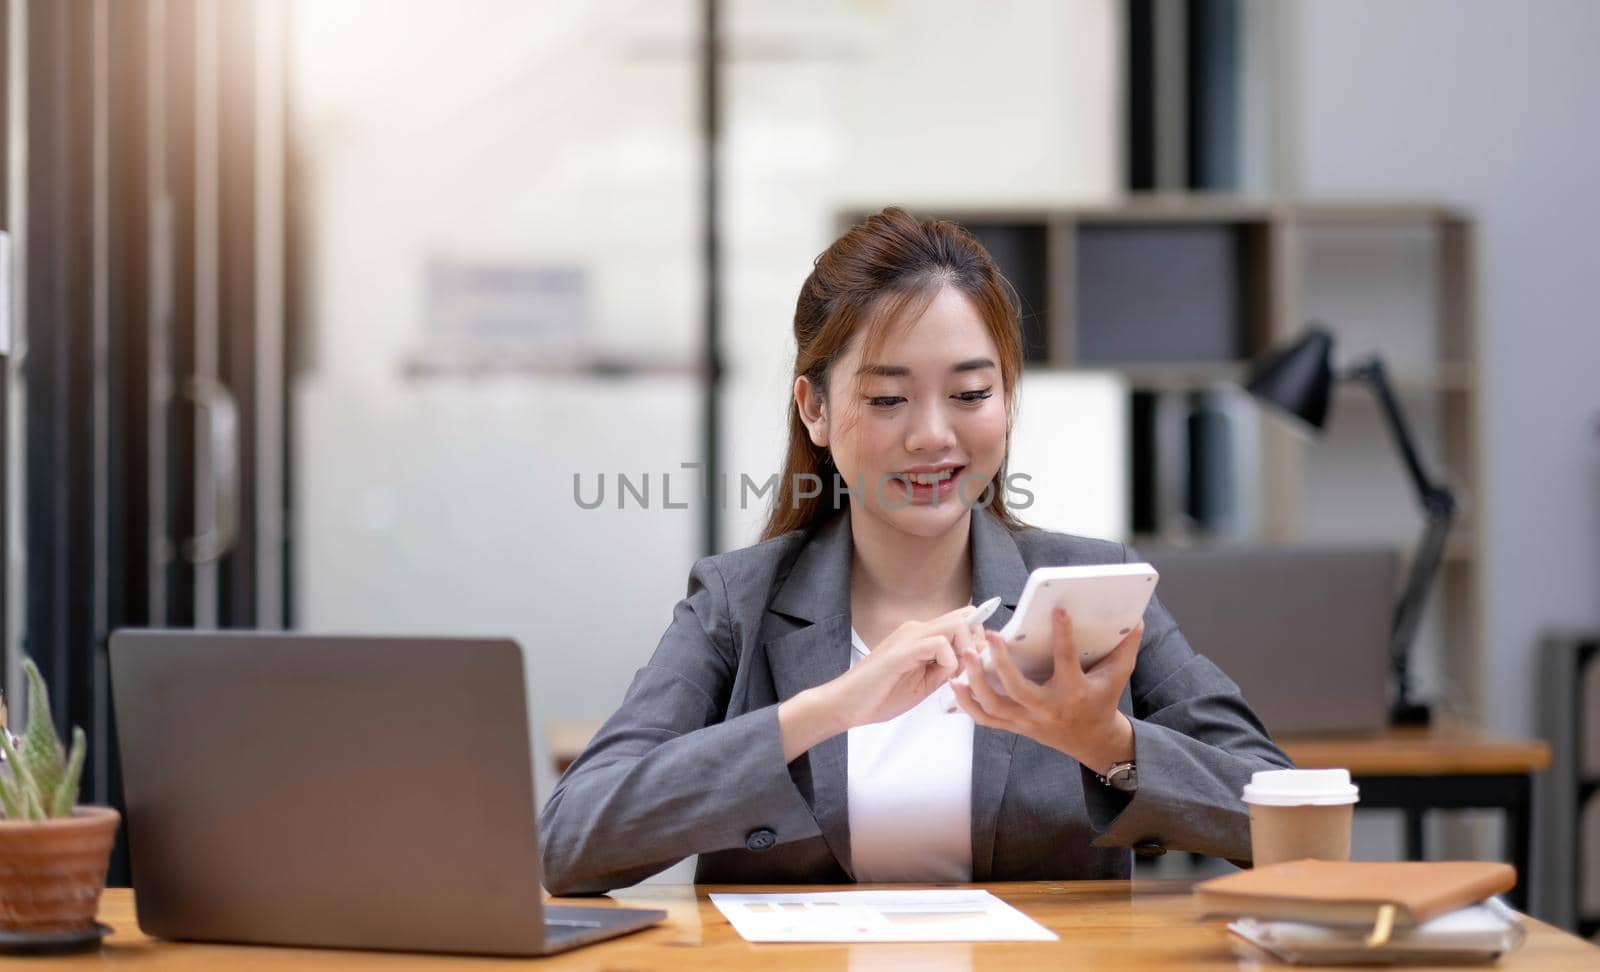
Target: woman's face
[[926, 433]]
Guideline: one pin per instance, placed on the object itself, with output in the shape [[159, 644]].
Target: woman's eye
[[975, 396], [885, 401]]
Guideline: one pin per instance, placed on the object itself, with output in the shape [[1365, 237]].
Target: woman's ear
[[813, 407]]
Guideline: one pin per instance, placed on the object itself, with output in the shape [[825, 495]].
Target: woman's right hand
[[915, 659]]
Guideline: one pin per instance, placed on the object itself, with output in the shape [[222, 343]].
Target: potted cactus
[[53, 853]]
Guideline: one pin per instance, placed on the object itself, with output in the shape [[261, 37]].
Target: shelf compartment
[[1153, 293], [1022, 252]]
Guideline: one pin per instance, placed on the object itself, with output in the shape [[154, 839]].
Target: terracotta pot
[[52, 871]]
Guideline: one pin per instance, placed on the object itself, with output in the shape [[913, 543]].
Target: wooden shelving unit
[[1252, 271]]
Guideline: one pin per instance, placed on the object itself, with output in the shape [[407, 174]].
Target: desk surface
[[1102, 924], [1446, 749], [1440, 750]]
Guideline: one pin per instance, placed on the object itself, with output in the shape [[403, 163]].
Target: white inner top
[[910, 792]]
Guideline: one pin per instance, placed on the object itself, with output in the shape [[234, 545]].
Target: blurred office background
[[336, 314]]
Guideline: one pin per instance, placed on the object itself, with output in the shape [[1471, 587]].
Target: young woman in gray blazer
[[794, 723]]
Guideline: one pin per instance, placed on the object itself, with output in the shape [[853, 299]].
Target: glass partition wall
[[500, 381], [839, 109], [498, 402]]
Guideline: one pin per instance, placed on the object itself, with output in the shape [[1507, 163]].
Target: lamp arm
[[1439, 506], [1408, 613], [1376, 376]]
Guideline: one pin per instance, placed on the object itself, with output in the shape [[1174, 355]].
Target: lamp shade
[[1299, 379]]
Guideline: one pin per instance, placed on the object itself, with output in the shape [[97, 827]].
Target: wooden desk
[[1102, 924], [1440, 767], [1434, 751], [566, 741], [1443, 750]]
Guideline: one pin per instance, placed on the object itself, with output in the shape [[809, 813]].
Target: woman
[[790, 727]]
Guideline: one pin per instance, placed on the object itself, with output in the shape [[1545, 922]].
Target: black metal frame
[[57, 368], [1588, 925], [711, 138], [5, 354], [1566, 789], [95, 560], [1510, 793]]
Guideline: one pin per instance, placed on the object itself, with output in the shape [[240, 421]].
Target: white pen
[[979, 615], [983, 612]]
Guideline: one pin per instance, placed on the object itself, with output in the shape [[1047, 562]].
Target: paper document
[[939, 915]]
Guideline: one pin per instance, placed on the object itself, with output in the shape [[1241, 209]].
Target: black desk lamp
[[1299, 381]]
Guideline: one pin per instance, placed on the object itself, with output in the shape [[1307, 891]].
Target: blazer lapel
[[997, 571], [816, 593]]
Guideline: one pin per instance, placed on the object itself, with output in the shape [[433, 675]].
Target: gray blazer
[[692, 763]]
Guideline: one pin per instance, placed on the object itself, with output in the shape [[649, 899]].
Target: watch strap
[[1121, 776]]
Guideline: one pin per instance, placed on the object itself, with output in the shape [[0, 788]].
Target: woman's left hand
[[1075, 711]]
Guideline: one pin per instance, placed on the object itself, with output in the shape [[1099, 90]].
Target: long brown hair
[[886, 269]]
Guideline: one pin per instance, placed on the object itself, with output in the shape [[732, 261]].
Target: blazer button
[[760, 839], [1149, 847]]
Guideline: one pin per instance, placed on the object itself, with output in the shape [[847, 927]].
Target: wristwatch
[[1121, 776]]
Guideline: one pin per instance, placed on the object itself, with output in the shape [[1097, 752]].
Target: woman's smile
[[924, 484]]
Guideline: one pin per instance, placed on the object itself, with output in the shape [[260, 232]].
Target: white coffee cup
[[1300, 813]]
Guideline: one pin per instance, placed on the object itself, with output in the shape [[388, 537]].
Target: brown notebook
[[1354, 892]]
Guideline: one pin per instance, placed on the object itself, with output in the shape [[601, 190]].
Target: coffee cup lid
[[1296, 788]]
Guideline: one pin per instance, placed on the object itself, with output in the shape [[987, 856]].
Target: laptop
[[345, 792], [1303, 630]]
